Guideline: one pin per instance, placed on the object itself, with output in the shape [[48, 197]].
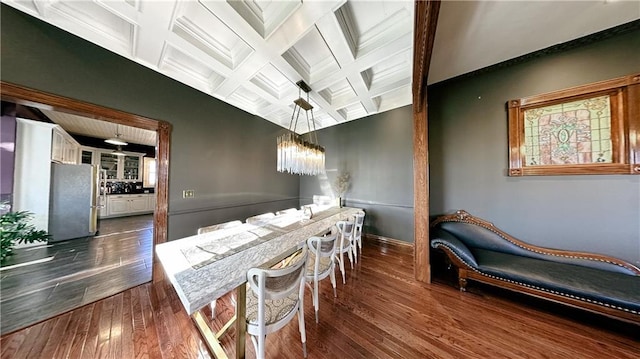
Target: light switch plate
[[188, 193]]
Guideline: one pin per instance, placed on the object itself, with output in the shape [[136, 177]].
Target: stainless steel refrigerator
[[73, 211]]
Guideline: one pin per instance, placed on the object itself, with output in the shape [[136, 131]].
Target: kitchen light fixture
[[116, 140], [295, 154], [118, 151]]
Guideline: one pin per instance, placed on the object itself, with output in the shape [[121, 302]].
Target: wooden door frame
[[36, 98], [425, 22]]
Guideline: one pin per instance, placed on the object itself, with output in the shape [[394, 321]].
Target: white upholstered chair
[[215, 227], [274, 298], [322, 200], [344, 245], [357, 233], [287, 211], [260, 218], [314, 207], [321, 264]]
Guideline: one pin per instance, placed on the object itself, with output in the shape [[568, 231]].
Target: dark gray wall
[[377, 151], [468, 156], [226, 155]]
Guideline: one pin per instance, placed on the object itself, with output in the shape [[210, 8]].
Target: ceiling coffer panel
[[247, 99], [389, 74], [353, 111], [356, 55], [311, 57], [181, 65], [98, 21], [271, 80], [339, 94], [264, 16], [370, 25], [393, 99], [207, 32]]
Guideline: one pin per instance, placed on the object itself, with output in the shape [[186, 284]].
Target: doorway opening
[[158, 220]]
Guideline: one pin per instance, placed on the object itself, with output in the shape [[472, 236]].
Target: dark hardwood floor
[[76, 272], [380, 313]]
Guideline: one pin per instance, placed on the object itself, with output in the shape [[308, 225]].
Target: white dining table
[[204, 267]]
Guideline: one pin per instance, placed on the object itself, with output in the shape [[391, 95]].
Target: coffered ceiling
[[355, 55]]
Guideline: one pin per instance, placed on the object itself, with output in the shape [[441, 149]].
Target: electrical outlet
[[188, 193]]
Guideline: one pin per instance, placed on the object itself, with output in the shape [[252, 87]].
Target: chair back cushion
[[260, 218], [281, 282], [287, 211], [215, 227], [322, 200]]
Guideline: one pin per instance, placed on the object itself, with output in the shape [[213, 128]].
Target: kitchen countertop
[[128, 194]]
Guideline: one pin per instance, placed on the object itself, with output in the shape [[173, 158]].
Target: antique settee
[[484, 253]]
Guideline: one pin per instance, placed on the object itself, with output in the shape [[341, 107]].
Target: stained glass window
[[577, 132], [587, 129]]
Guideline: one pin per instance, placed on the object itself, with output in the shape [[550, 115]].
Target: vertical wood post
[[161, 213], [425, 21]]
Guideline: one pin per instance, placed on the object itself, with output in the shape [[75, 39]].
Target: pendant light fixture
[[295, 154], [118, 151], [116, 140]]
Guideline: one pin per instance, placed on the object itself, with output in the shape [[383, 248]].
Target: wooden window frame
[[625, 128]]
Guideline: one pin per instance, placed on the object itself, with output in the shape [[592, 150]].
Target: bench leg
[[462, 279]]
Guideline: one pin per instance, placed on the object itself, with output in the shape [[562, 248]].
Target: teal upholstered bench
[[484, 253]]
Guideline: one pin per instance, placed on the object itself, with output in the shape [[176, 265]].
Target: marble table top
[[204, 267]]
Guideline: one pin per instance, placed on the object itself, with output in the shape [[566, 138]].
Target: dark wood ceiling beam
[[425, 22]]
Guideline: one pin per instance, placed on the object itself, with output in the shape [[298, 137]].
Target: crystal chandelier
[[295, 154]]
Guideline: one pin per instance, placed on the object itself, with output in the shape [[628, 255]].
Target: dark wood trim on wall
[[386, 240], [425, 22], [35, 98]]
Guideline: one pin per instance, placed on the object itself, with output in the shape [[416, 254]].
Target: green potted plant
[[14, 229]]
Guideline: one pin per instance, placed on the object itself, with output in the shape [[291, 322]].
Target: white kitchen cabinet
[[152, 202], [131, 167], [128, 167], [57, 145], [119, 205], [64, 148], [130, 204], [139, 203], [110, 164], [86, 155]]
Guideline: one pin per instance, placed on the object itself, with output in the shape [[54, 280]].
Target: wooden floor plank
[[53, 342], [139, 332], [11, 345], [115, 339], [64, 346], [91, 343], [127, 349], [149, 318], [104, 331], [382, 312], [79, 340], [35, 344]]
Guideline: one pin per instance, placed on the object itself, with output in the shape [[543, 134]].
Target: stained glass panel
[[577, 132]]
